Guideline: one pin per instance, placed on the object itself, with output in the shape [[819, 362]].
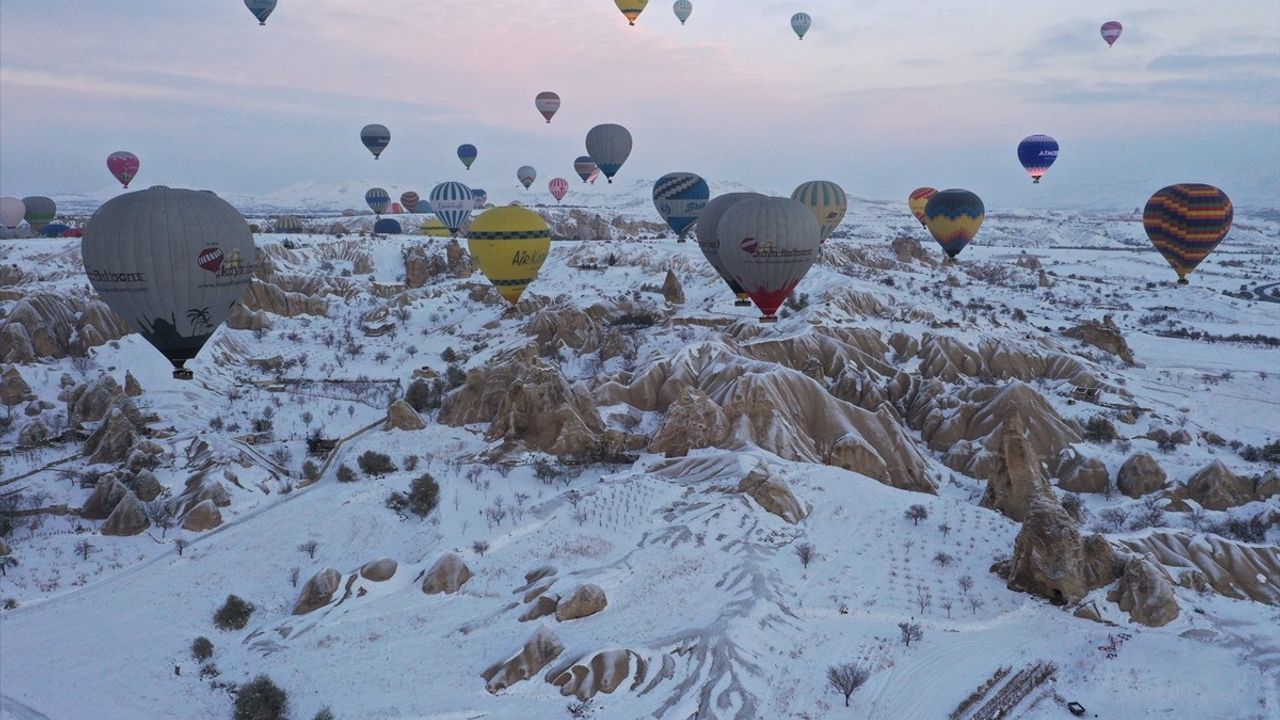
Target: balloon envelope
[[548, 103], [40, 211], [1037, 153], [376, 138], [288, 224], [410, 201], [559, 187], [452, 203], [709, 238], [917, 200], [801, 22], [953, 218], [826, 200], [172, 262], [526, 175], [680, 199], [479, 197], [510, 244], [12, 210], [123, 165], [585, 167], [768, 245], [53, 230], [387, 226], [1186, 222], [609, 146], [261, 9], [631, 8], [468, 154], [683, 9], [378, 199], [1111, 32]]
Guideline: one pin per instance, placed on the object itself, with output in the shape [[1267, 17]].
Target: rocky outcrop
[[1146, 593], [583, 602], [318, 591], [603, 673], [1017, 480], [56, 325], [111, 442], [980, 416], [1140, 475], [204, 516], [907, 249], [200, 487], [539, 650], [131, 386], [402, 416], [672, 290], [129, 517], [447, 576], [380, 570], [268, 297], [543, 605], [772, 494], [90, 402], [1217, 488], [107, 493], [692, 422], [14, 390], [1052, 560], [144, 484], [1234, 569], [422, 263], [33, 434], [1104, 336], [1085, 475]]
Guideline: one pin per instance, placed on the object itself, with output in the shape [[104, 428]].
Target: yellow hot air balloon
[[509, 244], [434, 228], [631, 8]]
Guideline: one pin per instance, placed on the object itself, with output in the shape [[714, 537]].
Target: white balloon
[[767, 245]]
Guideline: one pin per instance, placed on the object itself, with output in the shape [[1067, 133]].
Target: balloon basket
[[1183, 281], [183, 374], [768, 318], [742, 303]]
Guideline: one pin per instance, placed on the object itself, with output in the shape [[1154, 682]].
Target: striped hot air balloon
[[1186, 222], [917, 200], [1037, 153], [826, 200], [378, 200], [288, 224], [261, 9], [1111, 32], [468, 154], [768, 245], [510, 244], [683, 9], [609, 145], [559, 187], [631, 8], [585, 167], [376, 138], [410, 201], [452, 203], [123, 165], [709, 239], [548, 103], [953, 218], [680, 199], [800, 23], [526, 175]]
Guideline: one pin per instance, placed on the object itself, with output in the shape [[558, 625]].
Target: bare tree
[[309, 547], [6, 562], [846, 678], [944, 559], [160, 515], [84, 549], [916, 513], [910, 632], [966, 583], [480, 547], [294, 573], [946, 604], [1115, 517], [924, 598], [1197, 517], [975, 604], [181, 544], [806, 553]]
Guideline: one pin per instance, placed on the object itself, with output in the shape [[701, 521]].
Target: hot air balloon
[[172, 262], [432, 227], [378, 200], [12, 210], [559, 187], [801, 22], [953, 218], [631, 8], [288, 224], [387, 226], [680, 199], [767, 245], [1037, 153], [376, 138], [480, 197], [452, 203], [917, 200], [55, 230], [261, 9], [826, 200], [548, 103], [709, 239], [397, 208], [509, 244], [40, 211], [123, 165], [1186, 222], [609, 146], [410, 200], [467, 154], [585, 167], [1111, 32], [526, 175], [683, 9]]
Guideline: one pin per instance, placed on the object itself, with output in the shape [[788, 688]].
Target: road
[[11, 709], [1262, 292]]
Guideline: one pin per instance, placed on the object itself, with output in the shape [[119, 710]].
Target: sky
[[881, 96]]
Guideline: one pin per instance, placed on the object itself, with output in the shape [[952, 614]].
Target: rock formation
[[111, 442], [587, 600], [131, 386], [672, 291], [1017, 480], [318, 591], [1146, 593], [1052, 560], [1084, 475], [1104, 336], [1140, 475], [56, 325], [1233, 569], [543, 605], [1217, 488], [107, 493], [204, 516], [447, 576], [402, 416], [539, 650], [129, 517], [692, 422], [144, 484], [603, 673], [772, 494], [380, 570], [14, 390]]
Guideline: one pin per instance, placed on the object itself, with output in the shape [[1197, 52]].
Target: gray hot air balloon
[[12, 210], [376, 138], [709, 242], [768, 245], [261, 9], [40, 211], [609, 146], [172, 262]]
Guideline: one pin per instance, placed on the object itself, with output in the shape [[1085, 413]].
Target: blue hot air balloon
[[387, 226], [480, 196], [1037, 153], [680, 199], [467, 154], [378, 200]]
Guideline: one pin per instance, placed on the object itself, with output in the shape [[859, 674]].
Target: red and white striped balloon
[[559, 188]]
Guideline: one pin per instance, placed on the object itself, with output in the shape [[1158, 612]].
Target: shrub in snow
[[261, 699], [310, 470], [372, 462], [324, 714], [424, 495], [234, 614], [346, 474], [202, 648]]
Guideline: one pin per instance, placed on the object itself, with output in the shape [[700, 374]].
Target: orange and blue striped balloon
[[954, 217], [1186, 222]]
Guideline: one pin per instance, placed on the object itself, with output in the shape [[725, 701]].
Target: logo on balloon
[[211, 259], [749, 246]]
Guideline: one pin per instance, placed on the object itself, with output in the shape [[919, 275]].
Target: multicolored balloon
[[559, 187], [261, 9], [526, 175], [768, 245], [1111, 32], [631, 8], [709, 240], [378, 200], [468, 154], [1037, 153], [123, 165], [917, 200], [510, 244], [40, 211], [801, 22], [452, 203], [376, 138], [288, 224], [12, 210], [548, 103], [585, 167], [1186, 222], [680, 199], [826, 200], [683, 9], [410, 201], [953, 218], [173, 263], [609, 146]]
